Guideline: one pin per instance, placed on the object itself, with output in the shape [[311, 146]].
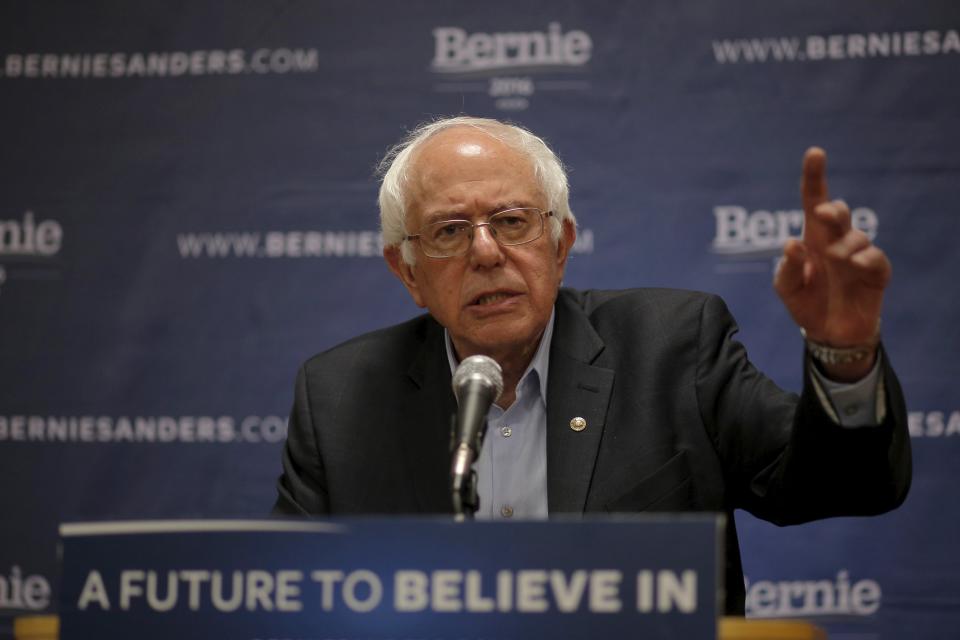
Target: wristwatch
[[825, 354]]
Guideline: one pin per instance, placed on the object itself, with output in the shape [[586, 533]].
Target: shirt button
[[506, 511], [506, 432], [851, 409]]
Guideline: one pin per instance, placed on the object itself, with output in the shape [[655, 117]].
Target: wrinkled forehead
[[464, 156]]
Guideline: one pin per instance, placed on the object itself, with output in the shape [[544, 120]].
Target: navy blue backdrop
[[187, 211]]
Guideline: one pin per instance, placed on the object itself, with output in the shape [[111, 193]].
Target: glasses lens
[[448, 238], [517, 226], [452, 237]]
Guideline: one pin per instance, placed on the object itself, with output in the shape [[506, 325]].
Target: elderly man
[[613, 401]]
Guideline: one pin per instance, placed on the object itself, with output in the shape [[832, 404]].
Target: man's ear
[[568, 236], [404, 271]]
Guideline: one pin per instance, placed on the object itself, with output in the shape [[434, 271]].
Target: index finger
[[813, 184]]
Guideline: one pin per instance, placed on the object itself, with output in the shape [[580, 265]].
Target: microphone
[[477, 383]]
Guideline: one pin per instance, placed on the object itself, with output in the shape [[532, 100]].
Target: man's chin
[[509, 338]]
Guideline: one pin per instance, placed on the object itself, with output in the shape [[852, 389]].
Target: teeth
[[490, 299]]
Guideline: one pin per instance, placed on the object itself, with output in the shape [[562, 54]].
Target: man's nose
[[485, 251]]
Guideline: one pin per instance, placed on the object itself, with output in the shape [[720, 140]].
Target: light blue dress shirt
[[512, 468]]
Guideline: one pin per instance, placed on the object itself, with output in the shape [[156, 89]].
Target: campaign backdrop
[[187, 212]]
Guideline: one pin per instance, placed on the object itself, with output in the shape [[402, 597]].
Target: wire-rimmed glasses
[[451, 238]]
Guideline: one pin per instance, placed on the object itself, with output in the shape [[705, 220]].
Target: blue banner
[[639, 577]]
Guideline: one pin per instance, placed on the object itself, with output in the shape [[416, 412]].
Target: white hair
[[396, 168]]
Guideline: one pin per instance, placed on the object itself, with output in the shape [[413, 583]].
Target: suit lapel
[[576, 389], [426, 443]]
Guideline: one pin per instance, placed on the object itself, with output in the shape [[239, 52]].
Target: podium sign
[[650, 577]]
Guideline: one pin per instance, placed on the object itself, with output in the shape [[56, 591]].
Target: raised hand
[[832, 281]]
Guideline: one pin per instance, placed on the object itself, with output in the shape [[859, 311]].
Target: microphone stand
[[464, 476], [477, 383]]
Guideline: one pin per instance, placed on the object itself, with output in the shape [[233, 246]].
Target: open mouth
[[491, 298]]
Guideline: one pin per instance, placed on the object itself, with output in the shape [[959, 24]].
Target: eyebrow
[[442, 216]]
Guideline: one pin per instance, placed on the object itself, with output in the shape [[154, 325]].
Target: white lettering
[[738, 231], [236, 592], [504, 591], [763, 597], [193, 578], [18, 592], [645, 591], [525, 591], [288, 590], [475, 601], [677, 593], [373, 587], [767, 599], [36, 593], [153, 601], [130, 586], [259, 586], [445, 591], [933, 424], [604, 591], [568, 593], [10, 590], [457, 51], [25, 237], [865, 598], [531, 591], [951, 42], [93, 591], [409, 591]]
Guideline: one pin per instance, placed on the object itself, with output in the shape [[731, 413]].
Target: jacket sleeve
[[301, 489], [784, 459]]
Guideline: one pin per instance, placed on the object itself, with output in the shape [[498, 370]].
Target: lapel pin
[[578, 424]]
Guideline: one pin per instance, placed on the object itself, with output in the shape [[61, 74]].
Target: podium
[[627, 577], [744, 629], [36, 628], [48, 627]]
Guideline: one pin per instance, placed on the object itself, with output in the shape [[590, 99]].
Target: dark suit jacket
[[677, 420]]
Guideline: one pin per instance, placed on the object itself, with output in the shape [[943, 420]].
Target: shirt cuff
[[856, 404]]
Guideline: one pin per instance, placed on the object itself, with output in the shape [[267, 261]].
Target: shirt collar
[[539, 364]]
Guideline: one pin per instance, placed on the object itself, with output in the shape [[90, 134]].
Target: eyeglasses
[[451, 238]]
